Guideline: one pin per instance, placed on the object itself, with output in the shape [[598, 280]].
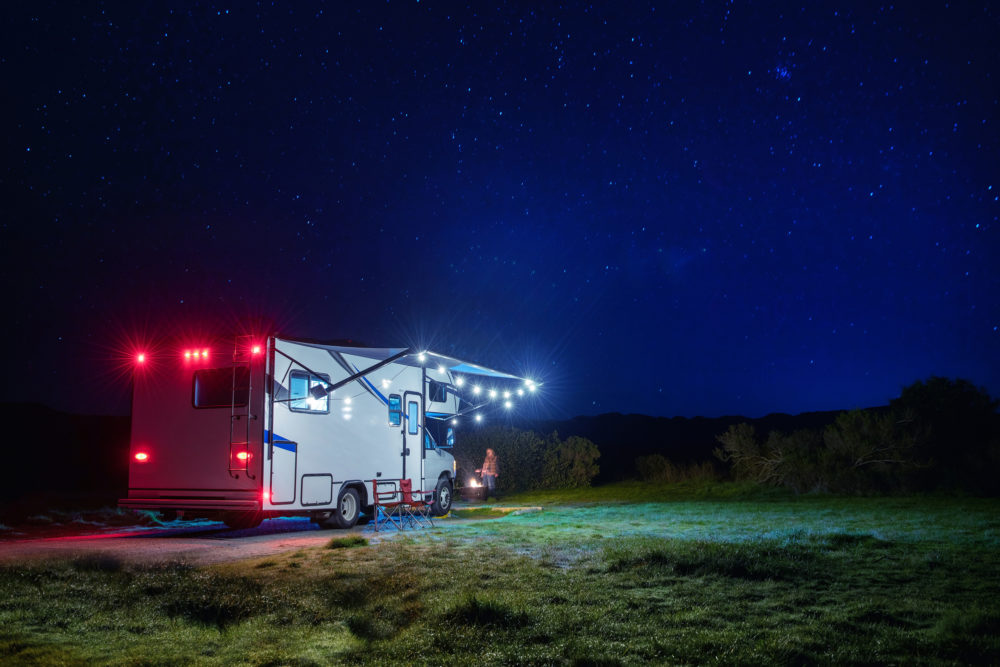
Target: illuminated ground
[[628, 574]]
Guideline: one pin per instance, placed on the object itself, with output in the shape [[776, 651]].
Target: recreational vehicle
[[257, 426]]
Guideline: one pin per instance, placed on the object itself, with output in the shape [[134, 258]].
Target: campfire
[[473, 490]]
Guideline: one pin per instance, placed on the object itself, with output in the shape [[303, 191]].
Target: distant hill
[[622, 438]]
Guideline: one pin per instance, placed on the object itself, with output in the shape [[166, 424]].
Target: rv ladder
[[240, 416]]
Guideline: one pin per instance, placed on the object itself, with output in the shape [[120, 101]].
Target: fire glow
[[473, 483]]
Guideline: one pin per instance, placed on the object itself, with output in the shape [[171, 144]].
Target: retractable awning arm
[[321, 391]]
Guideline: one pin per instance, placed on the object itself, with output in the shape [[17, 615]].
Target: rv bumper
[[187, 504]]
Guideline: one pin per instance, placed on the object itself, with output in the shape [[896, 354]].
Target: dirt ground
[[196, 543]]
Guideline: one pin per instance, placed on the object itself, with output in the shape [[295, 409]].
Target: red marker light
[[256, 349], [141, 457], [243, 456], [141, 358], [204, 354], [187, 354], [266, 496]]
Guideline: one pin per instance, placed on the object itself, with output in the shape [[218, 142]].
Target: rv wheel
[[242, 520], [442, 498], [346, 514]]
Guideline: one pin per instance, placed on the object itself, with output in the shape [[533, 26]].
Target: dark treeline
[[52, 454], [940, 434], [624, 438]]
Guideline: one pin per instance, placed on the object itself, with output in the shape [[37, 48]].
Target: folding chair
[[416, 508], [388, 505]]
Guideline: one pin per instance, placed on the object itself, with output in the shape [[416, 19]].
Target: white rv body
[[263, 426]]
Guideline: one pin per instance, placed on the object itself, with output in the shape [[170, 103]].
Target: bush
[[658, 468], [570, 463], [939, 434]]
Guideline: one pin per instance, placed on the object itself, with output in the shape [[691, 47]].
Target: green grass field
[[618, 574]]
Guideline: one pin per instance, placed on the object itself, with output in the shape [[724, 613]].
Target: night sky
[[719, 208]]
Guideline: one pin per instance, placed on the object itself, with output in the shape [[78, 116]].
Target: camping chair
[[388, 505], [416, 509]]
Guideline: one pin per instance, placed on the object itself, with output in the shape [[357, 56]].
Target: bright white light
[[479, 418], [493, 393], [459, 382], [386, 383], [347, 401], [531, 387], [506, 394], [520, 392], [508, 405], [476, 390], [441, 368], [421, 357], [454, 422]]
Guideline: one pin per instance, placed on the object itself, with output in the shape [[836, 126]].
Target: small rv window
[[450, 439], [299, 384], [221, 387], [437, 391], [412, 417], [395, 410]]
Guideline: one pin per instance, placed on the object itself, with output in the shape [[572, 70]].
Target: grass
[[349, 542], [710, 573]]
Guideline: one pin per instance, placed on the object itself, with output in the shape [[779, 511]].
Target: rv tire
[[443, 496], [346, 513]]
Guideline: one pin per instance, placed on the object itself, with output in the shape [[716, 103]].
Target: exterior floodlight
[[479, 418], [508, 405], [459, 382]]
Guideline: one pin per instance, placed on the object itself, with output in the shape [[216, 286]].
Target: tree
[[570, 463], [955, 426]]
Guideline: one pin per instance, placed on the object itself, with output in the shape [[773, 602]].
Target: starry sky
[[671, 208]]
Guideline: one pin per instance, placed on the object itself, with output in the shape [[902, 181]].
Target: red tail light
[[141, 357], [256, 349], [243, 456], [141, 457]]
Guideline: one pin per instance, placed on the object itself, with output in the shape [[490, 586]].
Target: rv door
[[413, 437]]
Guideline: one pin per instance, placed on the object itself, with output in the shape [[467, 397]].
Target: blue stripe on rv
[[382, 398]]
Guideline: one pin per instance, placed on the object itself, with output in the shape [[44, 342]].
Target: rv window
[[437, 392], [412, 416], [299, 384], [214, 387], [395, 410], [450, 439]]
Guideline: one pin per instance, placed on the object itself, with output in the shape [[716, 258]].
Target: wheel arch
[[358, 485]]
